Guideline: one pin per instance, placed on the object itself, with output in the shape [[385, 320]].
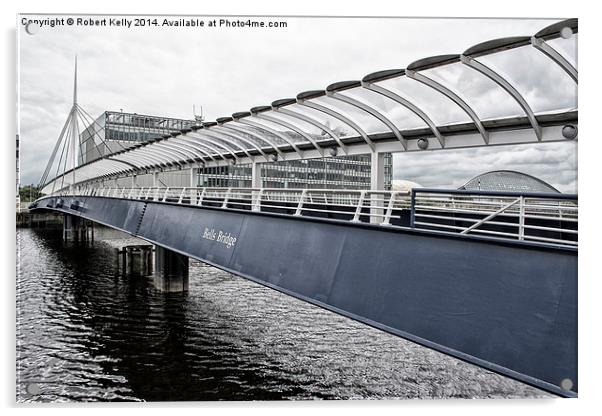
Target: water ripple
[[85, 332]]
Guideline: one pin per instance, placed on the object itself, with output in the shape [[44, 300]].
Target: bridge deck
[[501, 302]]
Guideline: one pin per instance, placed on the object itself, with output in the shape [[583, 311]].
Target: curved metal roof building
[[508, 180]]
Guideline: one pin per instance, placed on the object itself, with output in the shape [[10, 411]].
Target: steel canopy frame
[[192, 144], [279, 108], [206, 138], [409, 105], [303, 99], [270, 130], [506, 86], [88, 172], [412, 73], [333, 91], [237, 130], [209, 131], [260, 113], [163, 155], [542, 46], [235, 137], [191, 151], [219, 130], [199, 144], [150, 160]]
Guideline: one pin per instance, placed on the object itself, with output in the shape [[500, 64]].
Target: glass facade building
[[339, 172], [114, 131]]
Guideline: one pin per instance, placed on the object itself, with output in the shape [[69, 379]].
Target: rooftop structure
[[508, 180]]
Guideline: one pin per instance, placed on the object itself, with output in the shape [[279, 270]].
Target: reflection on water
[[85, 332]]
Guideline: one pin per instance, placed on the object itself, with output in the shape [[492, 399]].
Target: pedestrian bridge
[[488, 277]]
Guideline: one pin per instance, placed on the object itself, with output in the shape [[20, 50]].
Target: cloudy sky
[[164, 71]]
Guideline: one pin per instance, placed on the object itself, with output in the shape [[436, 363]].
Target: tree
[[29, 193]]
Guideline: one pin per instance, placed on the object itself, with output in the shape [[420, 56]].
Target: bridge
[[488, 277]]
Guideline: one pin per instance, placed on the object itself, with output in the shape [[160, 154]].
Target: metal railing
[[353, 205], [544, 218], [549, 218]]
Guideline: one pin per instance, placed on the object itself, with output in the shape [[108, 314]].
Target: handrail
[[539, 217], [542, 217]]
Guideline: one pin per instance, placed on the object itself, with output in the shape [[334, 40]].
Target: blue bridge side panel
[[505, 306]]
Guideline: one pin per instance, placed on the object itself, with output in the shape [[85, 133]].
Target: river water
[[86, 332]]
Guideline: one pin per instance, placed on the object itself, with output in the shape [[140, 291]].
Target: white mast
[[74, 126]]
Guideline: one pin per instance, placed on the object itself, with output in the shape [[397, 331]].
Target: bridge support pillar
[[136, 260], [77, 229], [171, 270], [377, 183]]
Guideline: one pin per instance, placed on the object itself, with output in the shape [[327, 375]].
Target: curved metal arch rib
[[192, 153], [288, 125], [338, 116], [111, 169], [115, 170], [190, 143], [157, 157], [149, 160], [176, 150], [409, 105], [65, 177], [208, 146], [506, 86], [102, 165], [373, 112], [417, 76], [122, 162], [161, 154], [257, 136], [206, 138], [144, 153], [313, 122], [215, 135], [274, 132], [542, 46], [219, 130]]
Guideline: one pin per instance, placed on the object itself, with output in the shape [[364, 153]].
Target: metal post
[[377, 183], [203, 192], [387, 219], [521, 218], [225, 204], [300, 204], [412, 208], [360, 205]]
